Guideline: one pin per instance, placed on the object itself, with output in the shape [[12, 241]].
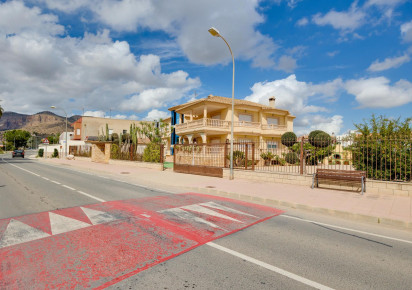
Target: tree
[[16, 139], [1, 112], [383, 148], [155, 132]]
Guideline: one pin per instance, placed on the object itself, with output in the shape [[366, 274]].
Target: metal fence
[[387, 159]]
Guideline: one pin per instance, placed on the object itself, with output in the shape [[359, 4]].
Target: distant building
[[87, 126]]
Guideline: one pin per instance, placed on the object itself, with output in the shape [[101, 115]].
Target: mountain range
[[42, 123]]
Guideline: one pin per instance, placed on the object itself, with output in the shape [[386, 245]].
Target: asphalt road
[[291, 251]]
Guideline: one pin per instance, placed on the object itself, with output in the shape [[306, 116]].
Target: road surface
[[294, 250]]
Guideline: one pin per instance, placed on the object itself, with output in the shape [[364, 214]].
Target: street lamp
[[213, 31], [65, 147]]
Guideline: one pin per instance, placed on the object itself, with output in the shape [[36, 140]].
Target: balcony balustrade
[[206, 123]]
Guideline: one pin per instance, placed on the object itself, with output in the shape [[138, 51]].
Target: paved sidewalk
[[385, 209]]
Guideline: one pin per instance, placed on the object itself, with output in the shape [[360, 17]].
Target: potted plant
[[267, 156]]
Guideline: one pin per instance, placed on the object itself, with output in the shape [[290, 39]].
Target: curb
[[332, 212]]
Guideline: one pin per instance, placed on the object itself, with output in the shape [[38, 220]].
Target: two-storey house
[[208, 120]]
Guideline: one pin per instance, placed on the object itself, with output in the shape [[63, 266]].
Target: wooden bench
[[344, 175]]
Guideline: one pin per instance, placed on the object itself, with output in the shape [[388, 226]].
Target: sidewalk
[[385, 209]]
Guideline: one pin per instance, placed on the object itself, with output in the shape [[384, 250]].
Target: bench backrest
[[340, 174]]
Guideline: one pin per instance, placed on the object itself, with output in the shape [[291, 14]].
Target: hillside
[[43, 122]]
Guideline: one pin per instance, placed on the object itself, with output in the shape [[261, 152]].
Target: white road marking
[[61, 224], [182, 214], [225, 208], [98, 217], [269, 267], [347, 229], [91, 196], [45, 178], [18, 232], [204, 210]]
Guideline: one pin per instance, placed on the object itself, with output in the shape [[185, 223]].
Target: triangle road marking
[[18, 232], [61, 224], [98, 217]]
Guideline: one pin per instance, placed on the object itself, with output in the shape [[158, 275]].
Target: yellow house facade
[[208, 120]]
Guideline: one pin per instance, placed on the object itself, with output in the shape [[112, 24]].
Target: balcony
[[221, 127]]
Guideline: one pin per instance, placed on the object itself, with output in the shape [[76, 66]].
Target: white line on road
[[91, 196], [347, 229], [55, 182], [68, 187], [269, 267], [45, 178]]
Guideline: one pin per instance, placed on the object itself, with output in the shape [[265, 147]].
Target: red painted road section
[[98, 245]]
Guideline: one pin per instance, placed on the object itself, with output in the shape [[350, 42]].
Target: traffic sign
[[45, 141]]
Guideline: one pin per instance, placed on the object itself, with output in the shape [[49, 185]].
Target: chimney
[[272, 102]]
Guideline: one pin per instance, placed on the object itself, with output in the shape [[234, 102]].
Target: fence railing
[[382, 159]]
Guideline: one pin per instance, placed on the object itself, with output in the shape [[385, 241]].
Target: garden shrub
[[288, 139], [292, 158], [152, 153], [41, 152], [55, 153], [322, 140]]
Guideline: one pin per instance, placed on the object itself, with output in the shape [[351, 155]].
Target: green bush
[[114, 151], [292, 158], [152, 153], [115, 138], [41, 152], [322, 140], [312, 135], [288, 139], [267, 155], [55, 153]]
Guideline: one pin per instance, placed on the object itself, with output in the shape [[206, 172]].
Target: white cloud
[[156, 115], [332, 53], [389, 63], [15, 18], [379, 93], [406, 31], [187, 22], [119, 116], [38, 61], [294, 95], [306, 124], [99, 114], [384, 3], [302, 22], [346, 21]]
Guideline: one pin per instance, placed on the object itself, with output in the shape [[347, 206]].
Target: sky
[[332, 64]]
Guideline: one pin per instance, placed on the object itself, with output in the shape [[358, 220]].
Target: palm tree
[[1, 111]]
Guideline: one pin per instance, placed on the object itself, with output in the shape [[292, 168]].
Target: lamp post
[[213, 31], [65, 147]]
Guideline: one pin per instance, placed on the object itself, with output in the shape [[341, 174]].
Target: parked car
[[18, 153]]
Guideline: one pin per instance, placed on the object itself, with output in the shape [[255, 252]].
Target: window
[[273, 121], [124, 131], [78, 132], [245, 118], [216, 117], [110, 131], [272, 145]]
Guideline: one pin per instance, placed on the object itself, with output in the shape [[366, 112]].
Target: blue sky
[[331, 63]]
